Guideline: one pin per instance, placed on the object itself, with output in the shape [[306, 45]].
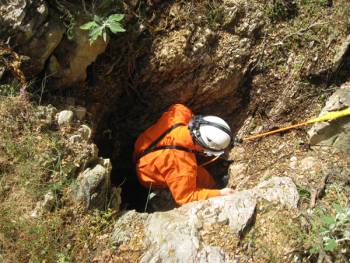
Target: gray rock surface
[[68, 64], [92, 187], [174, 236], [336, 132], [278, 189], [33, 29], [340, 55], [21, 19], [65, 117], [45, 205], [85, 132]]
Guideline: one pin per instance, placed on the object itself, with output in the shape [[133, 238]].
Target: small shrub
[[333, 230], [280, 10], [98, 27]]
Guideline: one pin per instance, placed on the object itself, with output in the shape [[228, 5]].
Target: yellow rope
[[326, 117]]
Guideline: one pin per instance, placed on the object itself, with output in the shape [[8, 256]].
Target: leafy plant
[[334, 229], [98, 27]]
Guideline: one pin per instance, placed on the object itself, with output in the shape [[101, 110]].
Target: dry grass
[[32, 162]]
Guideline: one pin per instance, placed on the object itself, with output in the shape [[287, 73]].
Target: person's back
[[165, 158]]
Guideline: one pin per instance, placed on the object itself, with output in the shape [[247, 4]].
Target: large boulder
[[33, 30], [21, 19], [335, 132], [176, 235], [93, 186]]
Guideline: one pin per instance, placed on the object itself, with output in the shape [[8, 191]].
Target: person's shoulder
[[180, 108]]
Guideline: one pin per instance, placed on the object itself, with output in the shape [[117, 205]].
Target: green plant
[[280, 10], [303, 193], [9, 90], [62, 258], [98, 27], [215, 17], [324, 2], [333, 229]]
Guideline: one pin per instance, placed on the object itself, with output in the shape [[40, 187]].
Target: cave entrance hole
[[120, 127]]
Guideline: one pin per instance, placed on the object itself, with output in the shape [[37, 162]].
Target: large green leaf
[[89, 25], [115, 18], [115, 27], [330, 245], [328, 220], [94, 34], [338, 208]]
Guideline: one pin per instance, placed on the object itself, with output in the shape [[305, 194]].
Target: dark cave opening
[[120, 127]]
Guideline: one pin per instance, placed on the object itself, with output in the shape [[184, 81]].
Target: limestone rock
[[39, 48], [121, 233], [33, 29], [85, 132], [65, 117], [178, 230], [237, 173], [174, 236], [45, 205], [22, 19], [92, 187], [340, 55], [71, 58], [278, 189], [336, 132]]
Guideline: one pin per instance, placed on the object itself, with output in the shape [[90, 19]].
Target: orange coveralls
[[173, 168]]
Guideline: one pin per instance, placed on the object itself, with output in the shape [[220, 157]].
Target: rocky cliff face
[[37, 32], [256, 63]]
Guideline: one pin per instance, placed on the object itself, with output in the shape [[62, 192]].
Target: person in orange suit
[[165, 154]]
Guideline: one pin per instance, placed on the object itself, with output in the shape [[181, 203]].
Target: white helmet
[[211, 132]]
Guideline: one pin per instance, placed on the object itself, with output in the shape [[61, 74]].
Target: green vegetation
[[9, 90], [215, 16], [279, 10], [98, 27], [34, 162], [332, 231]]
